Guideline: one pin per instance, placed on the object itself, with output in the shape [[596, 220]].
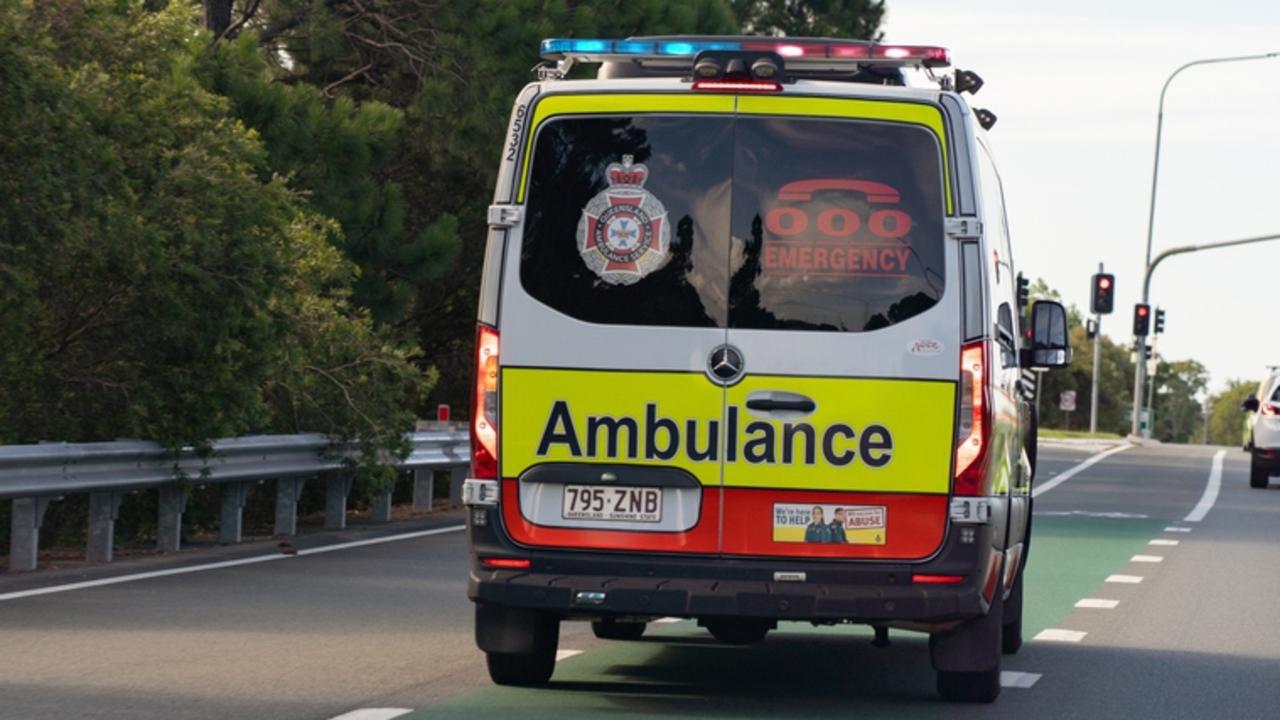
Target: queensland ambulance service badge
[[624, 234]]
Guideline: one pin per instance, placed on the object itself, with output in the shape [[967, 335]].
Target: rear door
[[614, 295], [843, 305]]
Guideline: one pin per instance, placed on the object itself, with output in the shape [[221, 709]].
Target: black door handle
[[805, 406]]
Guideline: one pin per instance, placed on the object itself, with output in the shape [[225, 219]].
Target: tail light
[[1269, 409], [973, 431], [484, 407]]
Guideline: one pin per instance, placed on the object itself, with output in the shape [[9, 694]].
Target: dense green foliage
[[1226, 418], [813, 18], [165, 275]]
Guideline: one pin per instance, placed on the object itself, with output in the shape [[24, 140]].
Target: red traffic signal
[[1141, 319], [1104, 296]]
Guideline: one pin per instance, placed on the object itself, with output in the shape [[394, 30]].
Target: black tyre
[[1257, 474], [970, 687], [521, 669], [738, 632], [1011, 630], [610, 629]]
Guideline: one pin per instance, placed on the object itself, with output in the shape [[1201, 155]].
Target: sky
[[1076, 88]]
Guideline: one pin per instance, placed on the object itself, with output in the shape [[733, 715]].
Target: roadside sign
[[1067, 401]]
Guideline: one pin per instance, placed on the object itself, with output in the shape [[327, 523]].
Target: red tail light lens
[[506, 563], [484, 406], [973, 432], [937, 579], [1269, 409]]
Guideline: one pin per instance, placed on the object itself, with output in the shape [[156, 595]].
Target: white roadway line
[[1097, 603], [566, 654], [374, 714], [1147, 558], [1175, 528], [1084, 465], [1011, 679], [1058, 635], [1163, 543], [1124, 579], [1211, 488], [223, 564]]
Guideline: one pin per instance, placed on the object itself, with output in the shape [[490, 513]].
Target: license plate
[[606, 502]]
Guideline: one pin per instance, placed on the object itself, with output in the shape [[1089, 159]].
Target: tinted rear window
[[771, 223]]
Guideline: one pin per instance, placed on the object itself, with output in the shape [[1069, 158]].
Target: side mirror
[[1250, 404], [1050, 345]]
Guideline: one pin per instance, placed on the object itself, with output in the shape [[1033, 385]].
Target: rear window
[[745, 222]]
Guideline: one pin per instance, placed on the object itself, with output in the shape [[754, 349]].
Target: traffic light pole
[[1097, 367], [1139, 374], [1151, 215]]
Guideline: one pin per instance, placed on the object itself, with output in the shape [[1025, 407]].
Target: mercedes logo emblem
[[725, 364]]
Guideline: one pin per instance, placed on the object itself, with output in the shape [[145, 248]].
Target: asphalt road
[[337, 629]]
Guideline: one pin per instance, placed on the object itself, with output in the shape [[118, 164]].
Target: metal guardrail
[[32, 476]]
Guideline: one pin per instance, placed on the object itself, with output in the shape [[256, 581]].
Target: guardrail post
[[104, 511], [288, 490], [381, 509], [173, 503], [338, 486], [424, 488], [24, 532], [231, 524]]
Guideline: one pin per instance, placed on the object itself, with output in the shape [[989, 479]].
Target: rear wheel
[[610, 629], [738, 632], [521, 669], [972, 687], [1257, 473], [519, 644]]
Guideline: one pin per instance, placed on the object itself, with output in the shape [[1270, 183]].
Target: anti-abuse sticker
[[832, 524]]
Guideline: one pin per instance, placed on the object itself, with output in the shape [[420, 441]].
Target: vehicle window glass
[[1006, 335], [837, 224], [627, 219], [995, 222], [1275, 395]]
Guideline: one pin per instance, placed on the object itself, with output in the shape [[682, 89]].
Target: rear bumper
[[599, 584], [1266, 457]]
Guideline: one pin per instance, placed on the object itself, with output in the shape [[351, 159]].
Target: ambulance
[[750, 349]]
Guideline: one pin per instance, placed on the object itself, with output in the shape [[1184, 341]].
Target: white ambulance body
[[749, 350]]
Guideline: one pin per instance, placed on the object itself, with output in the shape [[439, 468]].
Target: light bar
[[857, 51]]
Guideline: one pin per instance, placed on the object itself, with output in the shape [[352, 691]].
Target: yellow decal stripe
[[629, 104], [865, 435], [928, 116]]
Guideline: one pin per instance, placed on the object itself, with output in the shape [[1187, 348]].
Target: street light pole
[[1140, 367]]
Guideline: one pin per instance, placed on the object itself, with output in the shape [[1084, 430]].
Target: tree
[[1226, 418], [1178, 414], [160, 280], [858, 19]]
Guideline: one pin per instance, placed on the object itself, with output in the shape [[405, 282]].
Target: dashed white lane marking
[[1084, 465], [1175, 528], [667, 620], [1211, 488], [1011, 679], [1146, 558], [224, 564], [1163, 543], [1059, 635], [566, 654], [1098, 603], [1125, 579], [1086, 513], [374, 714]]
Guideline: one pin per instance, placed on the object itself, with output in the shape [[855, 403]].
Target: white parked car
[[1262, 430]]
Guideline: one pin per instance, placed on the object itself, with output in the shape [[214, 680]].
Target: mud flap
[[973, 646]]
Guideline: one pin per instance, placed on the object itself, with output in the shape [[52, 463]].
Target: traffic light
[[1159, 321], [1090, 329], [1104, 293], [1024, 291], [1141, 319]]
